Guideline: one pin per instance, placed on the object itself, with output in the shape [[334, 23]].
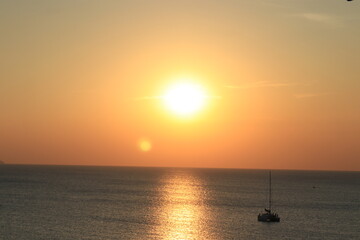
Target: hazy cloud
[[320, 18], [310, 95], [147, 98], [161, 97], [262, 84]]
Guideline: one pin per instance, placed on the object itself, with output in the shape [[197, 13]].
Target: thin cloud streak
[[320, 18], [161, 97], [262, 84], [310, 95], [147, 98]]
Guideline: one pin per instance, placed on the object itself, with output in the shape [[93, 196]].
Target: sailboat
[[269, 216]]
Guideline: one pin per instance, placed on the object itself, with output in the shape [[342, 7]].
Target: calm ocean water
[[67, 202]]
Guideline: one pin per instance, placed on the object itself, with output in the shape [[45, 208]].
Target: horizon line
[[187, 167]]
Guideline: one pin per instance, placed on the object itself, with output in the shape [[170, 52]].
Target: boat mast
[[270, 190]]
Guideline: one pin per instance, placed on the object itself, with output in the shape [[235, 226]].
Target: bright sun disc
[[185, 98]]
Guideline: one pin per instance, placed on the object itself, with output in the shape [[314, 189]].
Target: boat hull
[[268, 217]]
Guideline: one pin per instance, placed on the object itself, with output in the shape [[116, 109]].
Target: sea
[[86, 202]]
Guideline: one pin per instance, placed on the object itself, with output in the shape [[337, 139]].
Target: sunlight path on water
[[183, 215]]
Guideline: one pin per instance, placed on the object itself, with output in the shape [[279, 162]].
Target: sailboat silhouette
[[268, 216]]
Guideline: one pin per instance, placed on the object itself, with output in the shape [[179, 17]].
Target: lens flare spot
[[145, 145]]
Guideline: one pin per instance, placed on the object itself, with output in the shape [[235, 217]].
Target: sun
[[185, 98]]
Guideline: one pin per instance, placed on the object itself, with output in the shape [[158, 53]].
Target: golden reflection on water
[[182, 210]]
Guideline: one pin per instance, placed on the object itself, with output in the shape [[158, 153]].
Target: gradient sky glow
[[80, 82]]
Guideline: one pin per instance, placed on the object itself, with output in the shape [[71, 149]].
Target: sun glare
[[185, 98]]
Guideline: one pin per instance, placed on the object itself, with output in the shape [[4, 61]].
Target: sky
[[81, 83]]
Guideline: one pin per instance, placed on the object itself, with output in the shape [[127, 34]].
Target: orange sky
[[80, 83]]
